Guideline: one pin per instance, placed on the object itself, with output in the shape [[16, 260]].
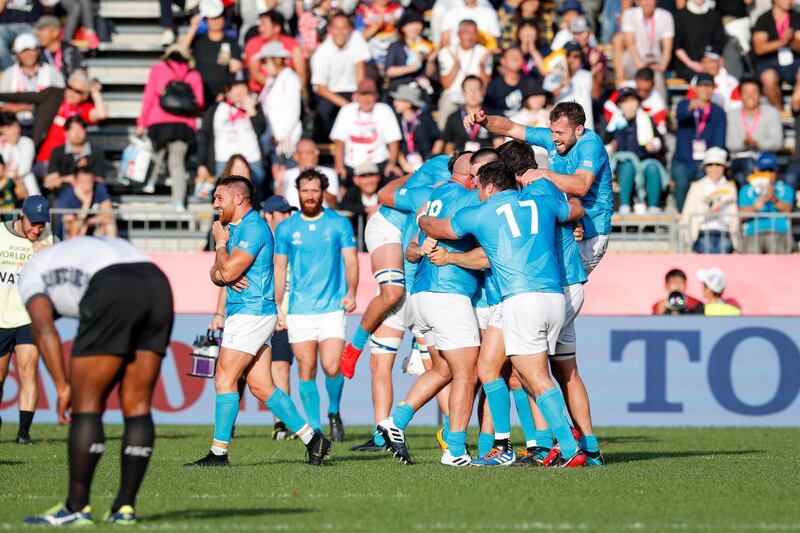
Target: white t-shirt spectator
[[290, 192], [648, 33], [484, 16], [19, 159], [365, 134], [280, 100], [16, 81], [578, 90], [234, 134], [335, 67], [469, 65], [441, 11]]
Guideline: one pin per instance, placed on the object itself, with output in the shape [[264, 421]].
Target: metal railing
[[755, 233]]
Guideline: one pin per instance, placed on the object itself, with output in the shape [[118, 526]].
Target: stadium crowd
[[387, 84]]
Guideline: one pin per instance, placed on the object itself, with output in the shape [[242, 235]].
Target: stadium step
[[118, 71], [130, 9]]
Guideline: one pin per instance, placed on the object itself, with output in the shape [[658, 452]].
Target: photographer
[[677, 302]]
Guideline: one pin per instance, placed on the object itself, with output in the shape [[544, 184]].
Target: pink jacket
[[160, 75]]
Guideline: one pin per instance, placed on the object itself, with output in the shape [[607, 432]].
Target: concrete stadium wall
[[653, 371], [622, 284]]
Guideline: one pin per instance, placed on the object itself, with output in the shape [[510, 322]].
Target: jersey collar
[[236, 223], [311, 219]]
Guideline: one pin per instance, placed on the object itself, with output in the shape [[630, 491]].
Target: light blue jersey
[[518, 235], [569, 258], [253, 236], [589, 153], [411, 200], [314, 247], [433, 172], [488, 292], [444, 202]]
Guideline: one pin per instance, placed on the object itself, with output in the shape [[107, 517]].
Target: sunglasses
[[73, 89]]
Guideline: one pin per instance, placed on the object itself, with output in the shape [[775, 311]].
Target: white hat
[[272, 49], [716, 156], [211, 9], [714, 279], [25, 41]]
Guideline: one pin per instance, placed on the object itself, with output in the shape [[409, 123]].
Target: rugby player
[[318, 246], [244, 264], [442, 305], [518, 237], [19, 240], [579, 167], [383, 236], [124, 304]]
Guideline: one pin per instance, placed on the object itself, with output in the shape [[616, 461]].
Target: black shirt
[[213, 65], [21, 12], [505, 99], [732, 8], [694, 32], [424, 132], [766, 22], [65, 163], [454, 132], [398, 56]]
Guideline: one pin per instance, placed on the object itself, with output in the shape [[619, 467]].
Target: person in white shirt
[[280, 100], [307, 157], [484, 16], [456, 62], [648, 37], [574, 85], [337, 67], [726, 87], [442, 9], [18, 152], [366, 131]]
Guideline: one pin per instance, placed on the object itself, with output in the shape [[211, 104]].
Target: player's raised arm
[[497, 124], [386, 193], [438, 228]]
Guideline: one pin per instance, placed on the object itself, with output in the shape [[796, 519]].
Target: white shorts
[[302, 328], [567, 340], [489, 316], [248, 333], [380, 231], [592, 251], [447, 321], [402, 316], [532, 322]]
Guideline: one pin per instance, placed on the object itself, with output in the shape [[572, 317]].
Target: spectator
[[12, 189], [16, 18], [710, 211], [675, 282], [726, 87], [648, 35], [86, 194], [18, 152], [637, 145], [27, 75], [337, 67], [362, 200], [271, 29], [792, 176], [484, 16], [535, 113], [701, 125], [250, 10], [776, 41], [80, 13], [172, 135], [504, 92], [410, 57], [421, 137], [594, 58], [533, 51], [376, 21], [65, 57], [651, 100], [456, 136], [233, 126], [83, 99], [570, 11], [575, 84], [366, 131], [764, 193], [714, 283], [75, 152], [312, 24], [589, 9], [697, 26], [761, 130], [167, 21], [736, 19], [217, 55], [307, 157], [456, 62], [280, 100]]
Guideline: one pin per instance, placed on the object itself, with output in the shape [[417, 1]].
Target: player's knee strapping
[[564, 352], [385, 345], [424, 353], [390, 276]]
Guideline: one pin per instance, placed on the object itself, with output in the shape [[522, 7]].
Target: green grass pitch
[[708, 479]]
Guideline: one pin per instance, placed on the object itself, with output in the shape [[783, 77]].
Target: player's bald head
[[461, 164]]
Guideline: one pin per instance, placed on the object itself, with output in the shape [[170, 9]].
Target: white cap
[[272, 49], [211, 9], [25, 41], [714, 278], [716, 156]]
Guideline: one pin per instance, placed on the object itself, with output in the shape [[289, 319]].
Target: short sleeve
[[590, 155], [744, 196], [628, 18], [282, 239], [562, 207], [346, 237], [446, 62], [464, 222], [86, 112], [541, 137], [100, 194], [252, 238], [341, 124], [390, 126], [763, 23], [358, 48], [318, 70], [667, 24], [409, 199], [785, 193]]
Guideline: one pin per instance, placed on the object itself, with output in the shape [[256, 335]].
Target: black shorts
[[281, 350], [12, 337], [126, 308]]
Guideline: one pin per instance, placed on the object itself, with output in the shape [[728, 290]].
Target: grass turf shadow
[[628, 457], [206, 514]]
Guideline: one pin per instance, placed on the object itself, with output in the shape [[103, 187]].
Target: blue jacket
[[714, 133]]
